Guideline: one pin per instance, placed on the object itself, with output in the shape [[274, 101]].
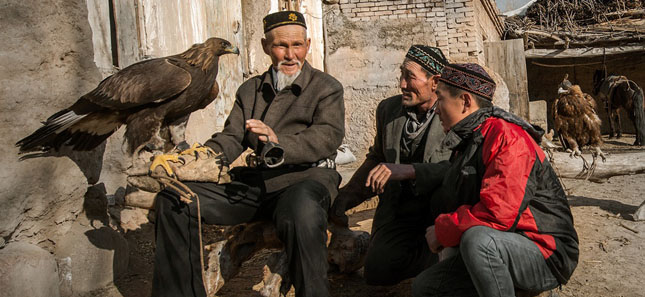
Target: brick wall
[[366, 41], [460, 26]]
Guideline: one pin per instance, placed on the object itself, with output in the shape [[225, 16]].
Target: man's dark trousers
[[299, 213], [398, 248]]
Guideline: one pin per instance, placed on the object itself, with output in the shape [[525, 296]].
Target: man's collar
[[412, 112], [465, 128], [274, 75], [298, 85]]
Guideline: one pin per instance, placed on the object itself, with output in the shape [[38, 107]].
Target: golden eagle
[[577, 123], [149, 97]]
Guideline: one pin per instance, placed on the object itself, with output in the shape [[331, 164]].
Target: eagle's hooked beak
[[232, 49]]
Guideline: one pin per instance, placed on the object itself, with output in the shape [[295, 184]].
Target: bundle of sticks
[[575, 23]]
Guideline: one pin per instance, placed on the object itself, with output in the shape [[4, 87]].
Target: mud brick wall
[[366, 41]]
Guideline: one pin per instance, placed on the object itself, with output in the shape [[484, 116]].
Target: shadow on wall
[[51, 66], [89, 162]]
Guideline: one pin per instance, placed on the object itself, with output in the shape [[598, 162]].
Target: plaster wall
[[46, 63], [44, 67]]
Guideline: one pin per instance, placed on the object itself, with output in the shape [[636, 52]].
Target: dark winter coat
[[499, 177], [308, 118], [390, 120]]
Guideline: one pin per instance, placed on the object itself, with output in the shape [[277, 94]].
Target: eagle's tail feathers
[[52, 134], [87, 141]]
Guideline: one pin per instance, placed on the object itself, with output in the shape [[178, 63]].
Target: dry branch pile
[[579, 23]]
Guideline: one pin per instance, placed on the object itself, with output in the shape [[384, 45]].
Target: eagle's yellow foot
[[197, 148], [162, 160]]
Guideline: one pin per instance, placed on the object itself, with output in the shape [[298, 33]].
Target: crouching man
[[498, 204], [407, 131]]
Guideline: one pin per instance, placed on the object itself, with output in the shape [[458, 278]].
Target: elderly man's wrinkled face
[[449, 108], [417, 88], [287, 46]]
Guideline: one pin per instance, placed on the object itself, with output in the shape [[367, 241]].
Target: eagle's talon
[[182, 160], [162, 160], [197, 148]]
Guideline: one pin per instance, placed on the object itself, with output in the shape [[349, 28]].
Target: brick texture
[[454, 21]]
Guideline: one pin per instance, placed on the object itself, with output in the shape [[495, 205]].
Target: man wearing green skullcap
[[407, 132]]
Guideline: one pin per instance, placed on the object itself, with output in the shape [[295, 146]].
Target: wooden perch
[[346, 252], [242, 241], [616, 164], [275, 276]]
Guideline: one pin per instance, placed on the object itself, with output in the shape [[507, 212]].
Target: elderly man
[[407, 132], [499, 202], [302, 110]]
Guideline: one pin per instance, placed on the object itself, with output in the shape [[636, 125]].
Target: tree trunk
[[347, 250], [616, 164]]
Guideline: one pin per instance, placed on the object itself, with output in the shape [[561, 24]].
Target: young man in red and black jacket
[[498, 203]]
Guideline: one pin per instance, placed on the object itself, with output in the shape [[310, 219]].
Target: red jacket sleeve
[[508, 158]]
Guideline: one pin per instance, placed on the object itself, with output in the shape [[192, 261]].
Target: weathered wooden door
[[506, 57]]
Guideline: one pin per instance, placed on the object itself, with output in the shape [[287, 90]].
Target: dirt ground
[[612, 246]]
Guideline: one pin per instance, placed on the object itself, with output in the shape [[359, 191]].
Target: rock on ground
[[27, 270], [90, 258]]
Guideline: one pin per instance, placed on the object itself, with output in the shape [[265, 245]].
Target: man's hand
[[431, 238], [264, 132], [384, 172]]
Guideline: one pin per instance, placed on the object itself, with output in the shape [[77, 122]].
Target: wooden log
[[242, 241], [615, 165], [581, 52], [275, 276], [639, 215], [347, 250], [140, 199]]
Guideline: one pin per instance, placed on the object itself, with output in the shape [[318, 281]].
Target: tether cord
[[185, 193]]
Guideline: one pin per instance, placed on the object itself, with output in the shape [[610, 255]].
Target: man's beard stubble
[[284, 80]]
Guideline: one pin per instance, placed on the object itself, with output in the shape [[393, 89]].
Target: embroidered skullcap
[[282, 18], [469, 77], [430, 58]]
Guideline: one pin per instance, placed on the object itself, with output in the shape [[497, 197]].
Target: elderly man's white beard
[[283, 80]]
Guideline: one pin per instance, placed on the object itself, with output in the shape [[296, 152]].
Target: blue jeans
[[490, 263]]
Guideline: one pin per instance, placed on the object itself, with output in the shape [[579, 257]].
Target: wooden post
[[507, 59]]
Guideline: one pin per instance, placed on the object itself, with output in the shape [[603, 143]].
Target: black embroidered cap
[[430, 58], [282, 18], [469, 77]]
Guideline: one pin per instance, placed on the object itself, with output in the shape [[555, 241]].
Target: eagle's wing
[[145, 82]]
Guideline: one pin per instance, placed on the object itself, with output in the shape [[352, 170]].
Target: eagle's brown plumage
[[577, 123], [149, 97]]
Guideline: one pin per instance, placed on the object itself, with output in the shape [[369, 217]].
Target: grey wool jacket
[[308, 118], [390, 120]]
